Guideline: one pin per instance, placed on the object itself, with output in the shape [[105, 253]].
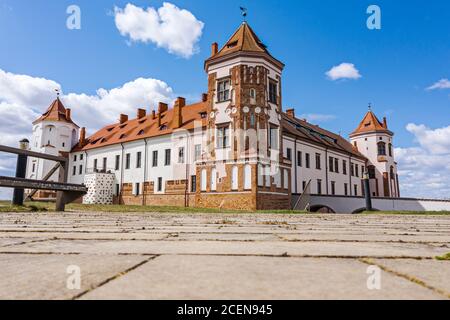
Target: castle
[[236, 148]]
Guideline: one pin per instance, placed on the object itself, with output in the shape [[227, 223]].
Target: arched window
[[203, 180], [213, 179], [234, 178], [391, 172], [252, 95], [390, 149], [381, 148], [247, 177]]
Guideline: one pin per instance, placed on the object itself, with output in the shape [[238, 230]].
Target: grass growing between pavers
[[445, 257], [5, 206]]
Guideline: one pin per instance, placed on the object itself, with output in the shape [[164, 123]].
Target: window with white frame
[[248, 177], [234, 178], [223, 90], [223, 136], [203, 180], [213, 179]]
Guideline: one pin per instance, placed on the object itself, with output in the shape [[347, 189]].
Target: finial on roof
[[370, 106], [57, 93], [244, 13]]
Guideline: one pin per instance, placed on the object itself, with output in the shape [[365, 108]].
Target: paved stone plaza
[[210, 256]]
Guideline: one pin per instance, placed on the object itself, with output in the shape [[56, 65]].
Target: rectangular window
[[273, 91], [336, 165], [273, 137], [74, 158], [181, 155], [127, 161], [331, 164], [346, 189], [222, 137], [344, 167], [319, 186], [363, 171], [356, 189], [159, 184], [155, 159], [81, 156], [198, 151], [117, 163], [167, 159], [299, 158], [117, 189], [139, 159], [352, 170], [95, 164], [223, 90], [137, 189], [289, 154], [318, 164], [333, 188], [34, 167], [74, 170], [307, 160], [193, 183], [80, 171], [357, 170], [104, 164]]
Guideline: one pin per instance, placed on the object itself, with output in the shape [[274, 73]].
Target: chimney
[[123, 118], [214, 49], [162, 107], [82, 137], [385, 123], [68, 115], [153, 114], [204, 97], [177, 120], [141, 113], [290, 113]]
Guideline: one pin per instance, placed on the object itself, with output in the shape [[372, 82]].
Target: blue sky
[[397, 63]]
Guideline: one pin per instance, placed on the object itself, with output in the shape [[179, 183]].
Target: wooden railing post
[[21, 169], [60, 198]]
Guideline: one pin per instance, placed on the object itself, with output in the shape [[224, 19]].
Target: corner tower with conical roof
[[55, 133], [375, 141], [244, 162]]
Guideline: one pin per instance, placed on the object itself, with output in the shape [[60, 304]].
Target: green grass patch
[[445, 257], [5, 206]]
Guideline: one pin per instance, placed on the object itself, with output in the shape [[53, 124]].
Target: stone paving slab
[[222, 256], [45, 276], [434, 273], [331, 249], [197, 277]]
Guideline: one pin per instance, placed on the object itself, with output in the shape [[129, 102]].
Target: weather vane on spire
[[57, 92], [370, 106], [244, 13]]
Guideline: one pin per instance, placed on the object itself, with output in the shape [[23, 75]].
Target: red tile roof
[[146, 127], [306, 131], [56, 112], [244, 40], [370, 123]]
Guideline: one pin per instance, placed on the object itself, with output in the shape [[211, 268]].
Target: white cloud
[[441, 84], [169, 27], [343, 71], [424, 171], [435, 141], [316, 117]]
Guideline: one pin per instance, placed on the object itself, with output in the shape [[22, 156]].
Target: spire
[[56, 112], [370, 123], [244, 40]]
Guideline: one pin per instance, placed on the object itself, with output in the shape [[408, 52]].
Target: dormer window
[[232, 44], [163, 127], [122, 136], [203, 115], [141, 132], [223, 90]]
